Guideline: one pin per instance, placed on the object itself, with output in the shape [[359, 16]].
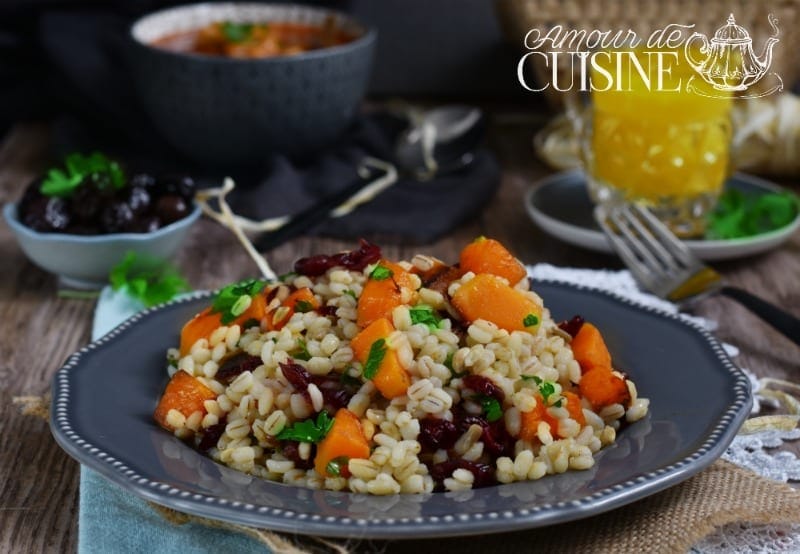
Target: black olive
[[116, 217], [183, 186], [143, 180], [57, 213], [138, 200], [86, 202], [144, 224], [33, 214], [171, 208]]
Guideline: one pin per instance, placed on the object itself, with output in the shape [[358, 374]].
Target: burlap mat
[[670, 521]]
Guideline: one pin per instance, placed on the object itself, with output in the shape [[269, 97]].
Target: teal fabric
[[111, 520]]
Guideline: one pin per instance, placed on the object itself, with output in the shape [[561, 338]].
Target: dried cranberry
[[235, 366], [482, 385], [441, 280], [356, 260], [572, 326], [291, 449], [296, 374], [483, 473], [367, 253], [335, 394], [435, 433], [327, 310], [211, 435], [496, 439]]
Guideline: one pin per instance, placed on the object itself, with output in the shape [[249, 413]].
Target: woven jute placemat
[[670, 521]]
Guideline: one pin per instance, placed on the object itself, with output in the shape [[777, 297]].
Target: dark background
[[433, 49]]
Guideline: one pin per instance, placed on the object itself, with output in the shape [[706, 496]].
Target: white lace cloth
[[754, 451]]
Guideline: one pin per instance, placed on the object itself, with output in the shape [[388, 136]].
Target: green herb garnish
[[530, 320], [308, 430], [448, 363], [740, 215], [286, 276], [381, 273], [352, 293], [233, 300], [301, 353], [347, 380], [303, 306], [149, 280], [425, 314], [546, 388], [491, 407], [236, 32], [336, 465], [62, 182], [376, 353]]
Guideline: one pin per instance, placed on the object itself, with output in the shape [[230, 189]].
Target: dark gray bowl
[[236, 111]]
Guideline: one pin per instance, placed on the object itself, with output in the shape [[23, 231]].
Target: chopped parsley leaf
[[352, 293], [233, 300], [303, 306], [336, 466], [308, 430], [491, 407], [381, 273], [530, 320], [546, 388], [287, 276], [301, 353], [376, 354], [448, 363], [236, 32], [422, 313], [63, 182]]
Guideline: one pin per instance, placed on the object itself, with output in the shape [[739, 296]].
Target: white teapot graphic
[[730, 64]]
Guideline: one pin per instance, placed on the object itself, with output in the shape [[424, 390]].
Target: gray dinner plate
[[560, 205], [104, 397]]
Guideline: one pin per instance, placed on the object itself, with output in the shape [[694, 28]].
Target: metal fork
[[665, 266]]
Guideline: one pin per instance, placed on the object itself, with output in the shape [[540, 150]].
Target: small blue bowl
[[84, 261]]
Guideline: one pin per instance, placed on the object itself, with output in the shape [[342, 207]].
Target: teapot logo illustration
[[730, 65]]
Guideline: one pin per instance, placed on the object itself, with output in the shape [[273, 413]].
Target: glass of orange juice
[[646, 138]]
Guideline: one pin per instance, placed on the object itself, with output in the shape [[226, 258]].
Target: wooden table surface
[[39, 482]]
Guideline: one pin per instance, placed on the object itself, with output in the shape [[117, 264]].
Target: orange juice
[[654, 141]]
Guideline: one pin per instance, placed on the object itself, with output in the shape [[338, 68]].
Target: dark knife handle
[[314, 215], [782, 321]]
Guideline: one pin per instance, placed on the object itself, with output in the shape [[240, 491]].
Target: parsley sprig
[[376, 354], [491, 407], [233, 300], [150, 280], [381, 273], [546, 388], [422, 313], [740, 215], [236, 32], [62, 182], [530, 320], [336, 466], [308, 430]]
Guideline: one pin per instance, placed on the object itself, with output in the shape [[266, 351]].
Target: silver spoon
[[437, 142]]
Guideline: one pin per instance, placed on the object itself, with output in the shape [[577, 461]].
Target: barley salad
[[361, 374]]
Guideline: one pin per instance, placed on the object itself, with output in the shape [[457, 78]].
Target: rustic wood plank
[[39, 483]]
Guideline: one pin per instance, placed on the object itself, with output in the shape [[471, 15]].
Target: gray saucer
[[560, 205]]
